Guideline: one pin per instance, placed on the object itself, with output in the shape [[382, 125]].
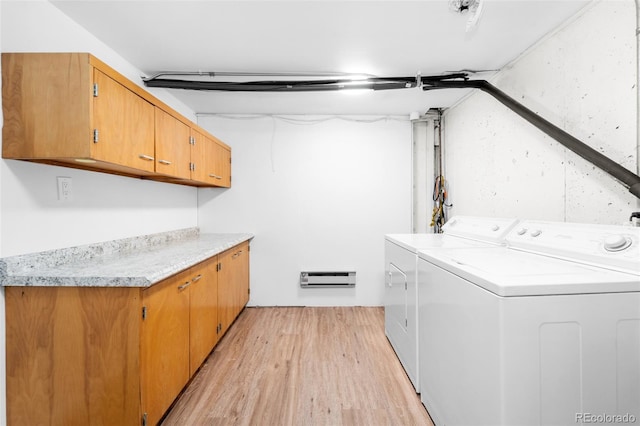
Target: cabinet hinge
[[96, 135], [95, 90], [144, 419], [144, 312]]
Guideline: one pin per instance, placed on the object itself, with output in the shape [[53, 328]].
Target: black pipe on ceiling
[[623, 175], [302, 85], [285, 85], [448, 81]]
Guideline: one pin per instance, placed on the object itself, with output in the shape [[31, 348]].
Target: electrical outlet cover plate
[[65, 192]]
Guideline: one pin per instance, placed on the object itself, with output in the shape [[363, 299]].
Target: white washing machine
[[401, 261], [545, 331]]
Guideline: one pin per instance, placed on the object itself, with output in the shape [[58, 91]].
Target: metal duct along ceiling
[[448, 81]]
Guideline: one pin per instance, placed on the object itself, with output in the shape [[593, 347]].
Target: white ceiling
[[383, 38]]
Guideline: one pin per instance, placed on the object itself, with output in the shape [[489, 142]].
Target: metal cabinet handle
[[146, 157], [196, 278], [165, 162], [211, 175], [183, 286]]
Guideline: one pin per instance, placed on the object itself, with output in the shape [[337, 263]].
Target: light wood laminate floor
[[302, 366]]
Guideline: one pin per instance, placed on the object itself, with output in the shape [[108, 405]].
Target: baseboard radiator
[[327, 279]]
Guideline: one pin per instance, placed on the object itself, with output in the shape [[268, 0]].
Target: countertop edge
[[128, 269]]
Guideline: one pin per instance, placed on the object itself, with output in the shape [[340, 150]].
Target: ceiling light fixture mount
[[474, 7]]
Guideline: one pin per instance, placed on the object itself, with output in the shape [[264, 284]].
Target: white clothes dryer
[[401, 294], [545, 331]]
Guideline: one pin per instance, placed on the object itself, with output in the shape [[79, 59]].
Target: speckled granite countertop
[[132, 262]]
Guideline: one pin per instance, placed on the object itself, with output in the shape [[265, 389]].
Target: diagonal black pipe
[[623, 175]]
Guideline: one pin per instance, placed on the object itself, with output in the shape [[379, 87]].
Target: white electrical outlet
[[65, 190]]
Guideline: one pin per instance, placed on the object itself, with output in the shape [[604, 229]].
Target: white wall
[[583, 79], [317, 197], [104, 207]]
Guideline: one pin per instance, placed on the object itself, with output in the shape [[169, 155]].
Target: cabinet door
[[173, 150], [242, 275], [211, 160], [72, 355], [125, 125], [219, 157], [233, 283], [226, 291], [164, 344], [46, 101], [198, 156], [204, 312]]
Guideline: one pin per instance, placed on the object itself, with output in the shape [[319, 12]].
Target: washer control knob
[[616, 243], [522, 231], [495, 228], [536, 233]]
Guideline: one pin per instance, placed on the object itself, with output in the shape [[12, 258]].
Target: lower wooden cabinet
[[164, 347], [114, 355], [73, 355], [233, 288], [203, 312]]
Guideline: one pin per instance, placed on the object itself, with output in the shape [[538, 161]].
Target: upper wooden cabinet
[[173, 146], [219, 157], [211, 160], [71, 109], [123, 125]]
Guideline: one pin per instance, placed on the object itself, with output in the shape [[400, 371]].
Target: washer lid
[[508, 272], [416, 242]]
